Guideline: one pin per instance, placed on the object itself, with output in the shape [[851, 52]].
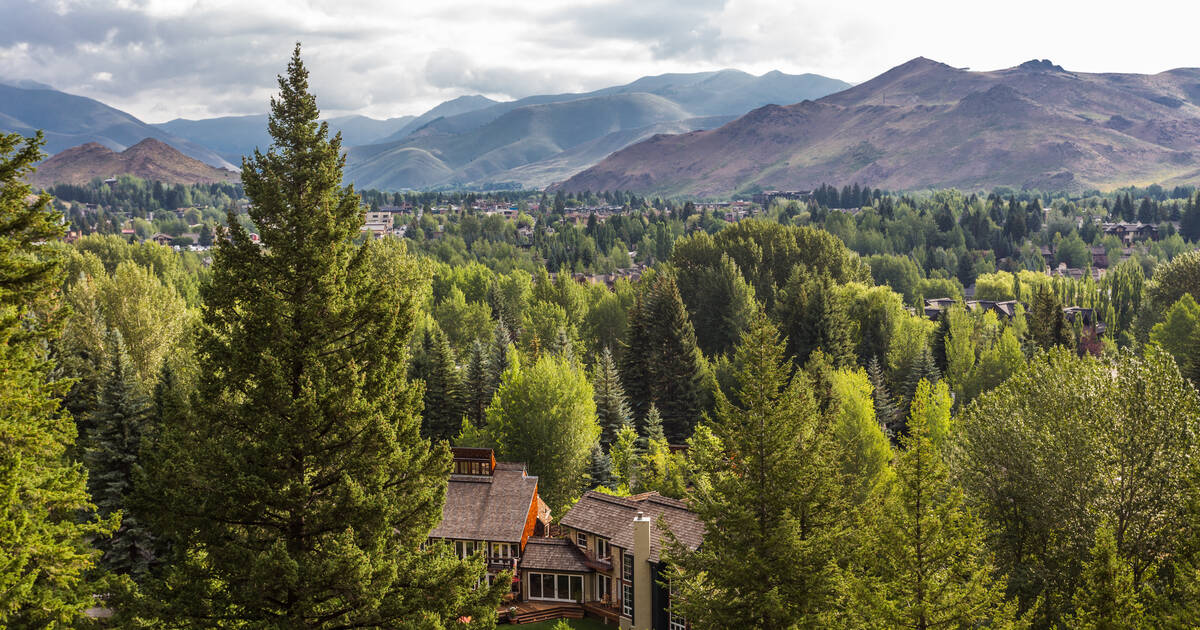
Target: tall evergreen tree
[[443, 404], [477, 390], [652, 429], [600, 472], [1048, 326], [925, 562], [612, 409], [772, 508], [885, 406], [922, 368], [499, 359], [119, 423], [663, 365], [299, 493], [44, 550], [813, 318]]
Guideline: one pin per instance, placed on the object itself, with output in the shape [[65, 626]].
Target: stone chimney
[[643, 580]]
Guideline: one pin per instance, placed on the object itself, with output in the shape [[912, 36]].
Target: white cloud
[[160, 59]]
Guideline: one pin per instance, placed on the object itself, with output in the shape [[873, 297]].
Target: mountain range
[[149, 159], [69, 121], [537, 140], [925, 124]]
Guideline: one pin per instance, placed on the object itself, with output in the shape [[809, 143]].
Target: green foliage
[[304, 450], [1069, 442], [770, 506], [1171, 280], [1177, 330], [866, 452], [119, 429], [544, 415], [433, 363], [624, 455], [719, 303], [813, 318], [612, 408], [924, 562], [1108, 597], [662, 365], [45, 557], [1047, 325]]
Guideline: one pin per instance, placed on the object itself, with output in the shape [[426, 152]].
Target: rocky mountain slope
[[149, 159], [925, 124]]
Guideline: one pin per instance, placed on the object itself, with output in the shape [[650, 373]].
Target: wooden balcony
[[595, 562], [606, 610]]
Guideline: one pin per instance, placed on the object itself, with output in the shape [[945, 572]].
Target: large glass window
[[627, 599], [627, 567], [554, 586], [674, 621]]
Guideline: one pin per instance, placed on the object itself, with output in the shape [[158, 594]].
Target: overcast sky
[[162, 59]]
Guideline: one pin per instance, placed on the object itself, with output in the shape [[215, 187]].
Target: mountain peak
[[1041, 65], [149, 159]]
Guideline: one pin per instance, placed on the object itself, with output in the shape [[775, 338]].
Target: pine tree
[[600, 473], [443, 404], [662, 363], [477, 391], [925, 562], [772, 511], [612, 409], [885, 407], [921, 369], [1048, 326], [119, 423], [814, 319], [1108, 598], [499, 361], [651, 429], [316, 490], [44, 550]]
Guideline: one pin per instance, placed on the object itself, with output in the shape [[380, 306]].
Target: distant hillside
[[70, 120], [235, 136], [925, 124], [540, 139], [148, 159]]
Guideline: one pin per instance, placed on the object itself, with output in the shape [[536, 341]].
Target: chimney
[[643, 581]]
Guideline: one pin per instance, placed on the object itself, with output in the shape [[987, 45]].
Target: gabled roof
[[493, 508], [553, 554], [612, 518]]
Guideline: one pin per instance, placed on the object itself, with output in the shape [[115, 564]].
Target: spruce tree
[[44, 551], [772, 508], [813, 318], [612, 409], [477, 390], [113, 456], [652, 429], [925, 562], [662, 363], [922, 368], [299, 493], [499, 359], [1048, 325], [600, 473], [885, 407], [435, 366]]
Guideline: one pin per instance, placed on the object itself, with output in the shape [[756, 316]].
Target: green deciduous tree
[[544, 415], [299, 492], [1067, 443], [772, 511], [1177, 329], [866, 452], [1108, 597], [44, 550]]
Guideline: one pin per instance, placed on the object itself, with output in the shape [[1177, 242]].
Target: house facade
[[609, 559], [492, 508]]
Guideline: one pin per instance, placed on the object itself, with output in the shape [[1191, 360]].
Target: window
[[627, 599], [627, 567], [465, 548], [556, 587], [602, 548], [604, 589], [674, 621], [581, 540], [502, 550]]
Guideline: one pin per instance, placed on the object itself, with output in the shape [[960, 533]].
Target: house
[[1130, 232], [609, 561], [162, 239], [492, 508]]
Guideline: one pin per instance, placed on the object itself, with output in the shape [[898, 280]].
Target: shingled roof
[[612, 518], [553, 554], [492, 508]]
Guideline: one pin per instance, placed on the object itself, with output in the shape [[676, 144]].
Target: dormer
[[473, 462]]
